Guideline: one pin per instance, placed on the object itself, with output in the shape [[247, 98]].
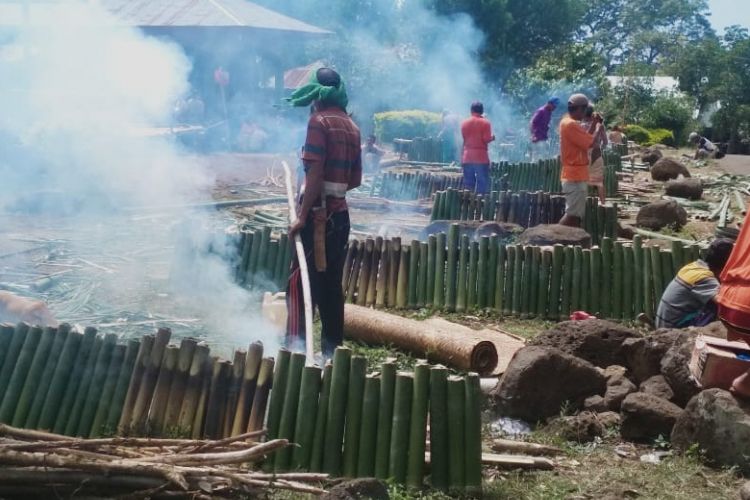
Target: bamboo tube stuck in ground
[[282, 458], [233, 391], [215, 406], [397, 461], [199, 420], [98, 425], [11, 357], [385, 418], [158, 406], [120, 391], [321, 416], [32, 378], [178, 386], [46, 379], [18, 375], [418, 426], [336, 411], [439, 427], [456, 434], [260, 398], [280, 377], [56, 392], [252, 364], [192, 389], [148, 380], [473, 434], [368, 429], [80, 401], [134, 383], [355, 395], [307, 406]]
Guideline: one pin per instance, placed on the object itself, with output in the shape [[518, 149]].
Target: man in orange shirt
[[575, 143], [477, 134]]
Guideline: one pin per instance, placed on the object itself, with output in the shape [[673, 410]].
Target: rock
[[581, 428], [692, 189], [651, 155], [539, 381], [745, 491], [660, 214], [666, 168], [358, 489], [597, 341], [657, 386], [719, 425], [715, 329], [618, 388], [676, 370], [595, 403], [625, 231], [550, 234], [474, 229], [643, 355], [503, 230], [442, 226], [609, 419], [646, 417]]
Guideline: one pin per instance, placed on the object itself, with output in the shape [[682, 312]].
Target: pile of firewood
[[35, 463]]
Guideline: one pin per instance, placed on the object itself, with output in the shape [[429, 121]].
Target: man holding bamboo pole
[[333, 165]]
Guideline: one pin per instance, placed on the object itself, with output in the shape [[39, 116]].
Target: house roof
[[168, 14], [296, 77]]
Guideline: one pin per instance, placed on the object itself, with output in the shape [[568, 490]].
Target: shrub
[[661, 136], [406, 124], [637, 133], [670, 113]]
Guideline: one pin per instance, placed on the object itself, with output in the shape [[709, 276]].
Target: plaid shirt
[[333, 140]]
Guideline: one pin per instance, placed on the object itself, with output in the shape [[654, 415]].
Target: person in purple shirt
[[539, 128]]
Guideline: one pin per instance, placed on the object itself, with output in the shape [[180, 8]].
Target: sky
[[727, 12]]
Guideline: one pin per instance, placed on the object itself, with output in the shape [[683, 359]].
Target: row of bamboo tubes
[[263, 260], [346, 422], [89, 385], [615, 280]]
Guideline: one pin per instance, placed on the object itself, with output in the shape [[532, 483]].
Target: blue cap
[[554, 100]]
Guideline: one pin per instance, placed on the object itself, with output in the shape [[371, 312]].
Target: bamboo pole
[[253, 359], [575, 287], [179, 385], [418, 426], [148, 380], [260, 398], [53, 400], [282, 458], [556, 278], [439, 446], [605, 290], [321, 416], [509, 279], [656, 267], [199, 421], [336, 411], [456, 434], [98, 426], [431, 255], [354, 399], [215, 406], [31, 381], [452, 263], [491, 270], [618, 258], [365, 271], [473, 434], [462, 284], [119, 393], [393, 269], [6, 337], [422, 276], [193, 388], [500, 279], [45, 381], [134, 383], [567, 281], [385, 418], [527, 281], [383, 273], [18, 375], [413, 273], [307, 407], [585, 277], [15, 347], [482, 269], [666, 268], [402, 288], [595, 279], [628, 279], [648, 290], [543, 286], [373, 277], [160, 397], [276, 404], [439, 295], [233, 391], [80, 401], [369, 427], [397, 462], [471, 292]]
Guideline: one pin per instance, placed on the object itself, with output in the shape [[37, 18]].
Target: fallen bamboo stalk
[[228, 457], [524, 448]]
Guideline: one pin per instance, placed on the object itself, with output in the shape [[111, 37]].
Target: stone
[[692, 189], [643, 355], [618, 388], [676, 370], [651, 155], [666, 168], [581, 428], [540, 381], [660, 214], [625, 231], [715, 329], [597, 341], [551, 234], [657, 386], [358, 489], [503, 230], [474, 229], [609, 419], [646, 417], [719, 424], [745, 491], [595, 403]]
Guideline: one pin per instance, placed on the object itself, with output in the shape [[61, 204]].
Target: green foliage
[[637, 133], [406, 124], [672, 113], [660, 136]]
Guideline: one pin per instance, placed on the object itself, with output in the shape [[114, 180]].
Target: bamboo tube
[[482, 269], [397, 462], [276, 404], [199, 419], [178, 386], [260, 266], [252, 362], [656, 267], [678, 257], [6, 336], [351, 286], [281, 267], [244, 256], [14, 372], [439, 427], [119, 394], [627, 287], [98, 424], [666, 268], [373, 277], [451, 265], [617, 280], [336, 408], [418, 426], [556, 278], [369, 427], [527, 281], [393, 271], [31, 380], [471, 292], [80, 401], [509, 278], [365, 271], [605, 290], [595, 279], [463, 272], [282, 458], [351, 252], [383, 273], [385, 418], [648, 289], [233, 391], [160, 397], [491, 270], [585, 283], [567, 282], [543, 286], [430, 287], [402, 290], [413, 273], [58, 387], [321, 416], [260, 398], [304, 430], [439, 296], [32, 420], [473, 434], [193, 387], [422, 276], [357, 375], [217, 395], [271, 256], [252, 264], [148, 380], [134, 383], [456, 434], [575, 288], [500, 279]]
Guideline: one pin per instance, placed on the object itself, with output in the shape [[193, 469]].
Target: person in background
[[616, 136], [372, 154], [333, 165], [449, 134], [539, 128], [477, 135], [596, 157], [705, 148], [575, 143], [690, 298]]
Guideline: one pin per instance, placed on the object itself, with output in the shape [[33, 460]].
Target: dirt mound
[[660, 214], [551, 234], [692, 189], [667, 168], [646, 417]]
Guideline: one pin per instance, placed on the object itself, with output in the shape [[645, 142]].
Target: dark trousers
[[477, 177], [327, 294]]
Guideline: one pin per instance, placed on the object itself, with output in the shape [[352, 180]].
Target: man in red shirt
[[333, 165], [477, 134]]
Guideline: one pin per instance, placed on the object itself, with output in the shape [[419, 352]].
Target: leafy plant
[[406, 124], [661, 136], [637, 133]]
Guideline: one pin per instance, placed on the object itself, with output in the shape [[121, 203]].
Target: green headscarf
[[315, 91]]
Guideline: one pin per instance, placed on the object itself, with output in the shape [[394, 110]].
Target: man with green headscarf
[[333, 165]]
